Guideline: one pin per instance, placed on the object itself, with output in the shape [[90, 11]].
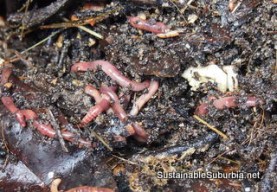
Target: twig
[[93, 33], [237, 6], [57, 129], [93, 133], [27, 4], [15, 58], [40, 42], [275, 63], [211, 127], [99, 36], [125, 160], [7, 148]]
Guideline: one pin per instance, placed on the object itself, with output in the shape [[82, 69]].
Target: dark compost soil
[[177, 142]]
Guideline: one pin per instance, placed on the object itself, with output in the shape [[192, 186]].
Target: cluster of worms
[[228, 102], [105, 98], [23, 115]]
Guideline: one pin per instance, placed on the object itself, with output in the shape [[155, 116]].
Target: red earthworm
[[225, 102], [20, 115], [6, 73], [93, 92], [89, 189], [85, 143], [44, 129], [29, 114], [228, 102], [202, 109], [253, 101], [20, 118], [9, 104], [112, 72], [96, 110], [147, 25], [168, 34], [117, 108], [47, 130], [130, 129], [72, 138], [25, 114], [140, 132], [152, 89]]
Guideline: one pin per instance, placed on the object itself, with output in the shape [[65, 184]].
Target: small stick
[[211, 127], [57, 129], [125, 160], [93, 133]]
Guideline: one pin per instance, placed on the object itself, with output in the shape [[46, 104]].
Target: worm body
[[89, 189], [152, 89], [228, 102], [6, 73], [140, 133], [117, 108], [9, 104], [45, 129], [202, 109], [29, 114], [225, 102], [253, 101], [147, 25], [93, 92], [95, 111], [20, 118], [112, 72]]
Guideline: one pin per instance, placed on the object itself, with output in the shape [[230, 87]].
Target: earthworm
[[228, 102], [20, 115], [152, 89], [29, 114], [130, 129], [225, 102], [253, 101], [168, 34], [89, 189], [72, 138], [117, 108], [140, 132], [112, 72], [202, 109], [96, 110], [93, 92], [9, 104], [47, 130], [44, 129], [6, 73], [20, 118], [147, 25]]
